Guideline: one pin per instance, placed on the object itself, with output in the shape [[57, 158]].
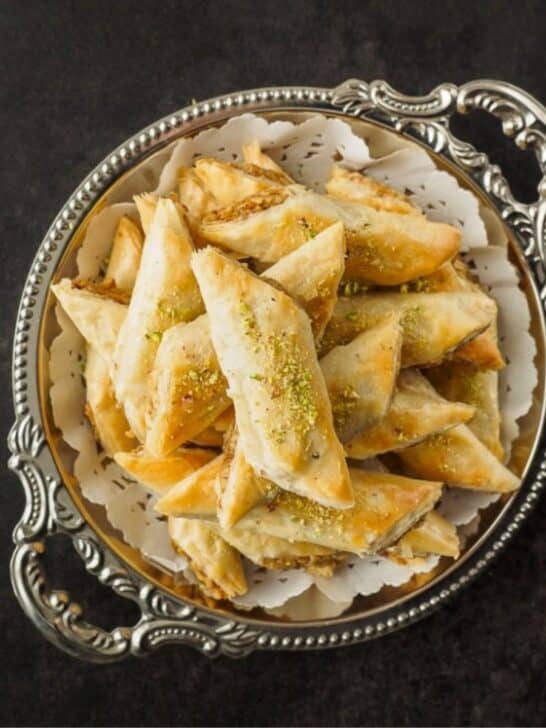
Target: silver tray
[[169, 613]]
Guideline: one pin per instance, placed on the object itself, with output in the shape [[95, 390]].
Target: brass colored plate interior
[[522, 451]]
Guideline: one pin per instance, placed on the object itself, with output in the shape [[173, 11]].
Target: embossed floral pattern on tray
[[49, 508]]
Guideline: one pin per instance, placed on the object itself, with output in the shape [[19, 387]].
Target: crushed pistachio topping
[[154, 336], [175, 308], [278, 434], [249, 320], [291, 380], [411, 320], [351, 288], [305, 225], [344, 403], [362, 250], [310, 512], [442, 444], [286, 377], [199, 383], [419, 285], [351, 315], [325, 287], [270, 490]]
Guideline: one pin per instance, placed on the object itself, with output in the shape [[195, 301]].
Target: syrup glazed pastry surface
[[298, 377]]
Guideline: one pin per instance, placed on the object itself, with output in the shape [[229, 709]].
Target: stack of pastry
[[297, 376]]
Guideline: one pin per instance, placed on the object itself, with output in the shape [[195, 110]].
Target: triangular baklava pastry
[[265, 347], [346, 184], [434, 535], [459, 458], [416, 412], [279, 553], [192, 193], [97, 318], [187, 385], [165, 293], [384, 248], [195, 495], [483, 350], [311, 275], [253, 154], [433, 324], [230, 183], [125, 255], [215, 563], [102, 408], [239, 488], [187, 388], [360, 377], [462, 382], [386, 506], [161, 474]]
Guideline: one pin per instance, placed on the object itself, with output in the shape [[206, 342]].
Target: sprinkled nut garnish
[[307, 511], [282, 422], [199, 383], [287, 378], [249, 320], [343, 404], [174, 308], [411, 320], [351, 288], [304, 223], [419, 285]]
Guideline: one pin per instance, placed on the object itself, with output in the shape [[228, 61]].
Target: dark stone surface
[[77, 78]]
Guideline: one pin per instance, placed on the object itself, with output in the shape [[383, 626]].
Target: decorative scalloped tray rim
[[49, 507]]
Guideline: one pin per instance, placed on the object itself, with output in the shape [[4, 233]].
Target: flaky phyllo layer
[[253, 344]]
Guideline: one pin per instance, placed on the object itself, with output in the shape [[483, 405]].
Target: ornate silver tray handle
[[50, 508], [428, 119]]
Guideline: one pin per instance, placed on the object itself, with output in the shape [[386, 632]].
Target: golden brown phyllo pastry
[[346, 184], [383, 247], [265, 347], [416, 412], [165, 293], [433, 324], [257, 351]]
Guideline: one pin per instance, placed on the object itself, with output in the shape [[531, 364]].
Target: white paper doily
[[306, 151]]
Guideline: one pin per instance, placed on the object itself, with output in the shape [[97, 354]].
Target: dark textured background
[[77, 78]]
